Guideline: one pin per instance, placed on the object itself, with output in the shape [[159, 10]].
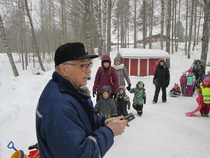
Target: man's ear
[[63, 70]]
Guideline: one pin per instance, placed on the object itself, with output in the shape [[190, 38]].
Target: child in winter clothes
[[105, 105], [175, 90], [123, 102], [139, 97], [190, 83], [204, 91], [87, 92], [183, 81]]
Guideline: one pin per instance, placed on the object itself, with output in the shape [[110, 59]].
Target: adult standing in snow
[[161, 80], [199, 72], [121, 72], [105, 76], [65, 123]]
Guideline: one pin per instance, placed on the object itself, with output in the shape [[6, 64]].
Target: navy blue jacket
[[66, 126]]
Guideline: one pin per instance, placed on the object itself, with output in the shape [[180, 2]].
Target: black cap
[[71, 51]]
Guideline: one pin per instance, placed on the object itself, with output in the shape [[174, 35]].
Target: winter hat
[[117, 59], [190, 70], [106, 89], [207, 79], [121, 87], [106, 58], [140, 82], [71, 51], [176, 85]]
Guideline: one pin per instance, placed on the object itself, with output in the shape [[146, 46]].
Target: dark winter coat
[[106, 79], [198, 70], [162, 76], [66, 126], [106, 107]]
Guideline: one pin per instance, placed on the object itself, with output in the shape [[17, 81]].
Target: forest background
[[33, 28]]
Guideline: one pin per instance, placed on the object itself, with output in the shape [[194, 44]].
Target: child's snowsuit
[[205, 92], [190, 85], [175, 90], [123, 102], [139, 98], [106, 107], [183, 82]]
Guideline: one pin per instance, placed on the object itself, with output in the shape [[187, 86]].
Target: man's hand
[[116, 125]]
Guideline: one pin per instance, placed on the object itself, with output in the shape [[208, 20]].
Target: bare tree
[[205, 38], [186, 28], [135, 25], [144, 24], [162, 22], [168, 29], [4, 39], [34, 37]]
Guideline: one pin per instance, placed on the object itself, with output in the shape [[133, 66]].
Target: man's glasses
[[84, 67]]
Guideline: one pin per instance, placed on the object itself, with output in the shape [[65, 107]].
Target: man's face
[[76, 72]]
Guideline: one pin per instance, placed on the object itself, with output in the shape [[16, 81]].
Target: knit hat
[[106, 89], [121, 88], [117, 59], [184, 73], [140, 82], [207, 79], [71, 51], [176, 85], [190, 70]]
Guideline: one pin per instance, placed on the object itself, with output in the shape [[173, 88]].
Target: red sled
[[199, 101]]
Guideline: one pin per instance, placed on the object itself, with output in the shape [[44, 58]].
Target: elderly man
[[65, 124]]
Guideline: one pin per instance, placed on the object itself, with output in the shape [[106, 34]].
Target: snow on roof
[[136, 53]]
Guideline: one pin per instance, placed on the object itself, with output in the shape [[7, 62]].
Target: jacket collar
[[67, 87]]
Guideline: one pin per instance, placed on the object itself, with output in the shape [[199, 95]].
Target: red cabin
[[142, 62]]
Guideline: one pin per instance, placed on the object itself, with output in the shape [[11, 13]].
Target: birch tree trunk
[[205, 38], [109, 8], [162, 23], [168, 27], [144, 24], [190, 31], [4, 39], [134, 22], [151, 24], [33, 36], [186, 28]]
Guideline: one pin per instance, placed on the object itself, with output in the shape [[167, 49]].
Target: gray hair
[[57, 69]]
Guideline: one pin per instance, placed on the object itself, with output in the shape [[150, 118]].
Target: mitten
[[128, 87], [94, 93], [113, 95], [144, 100]]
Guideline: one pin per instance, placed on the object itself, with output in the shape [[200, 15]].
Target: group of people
[[193, 80], [67, 123], [110, 90]]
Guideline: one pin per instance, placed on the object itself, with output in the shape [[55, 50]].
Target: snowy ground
[[163, 131]]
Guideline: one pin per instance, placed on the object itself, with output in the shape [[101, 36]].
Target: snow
[[136, 53], [163, 131]]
